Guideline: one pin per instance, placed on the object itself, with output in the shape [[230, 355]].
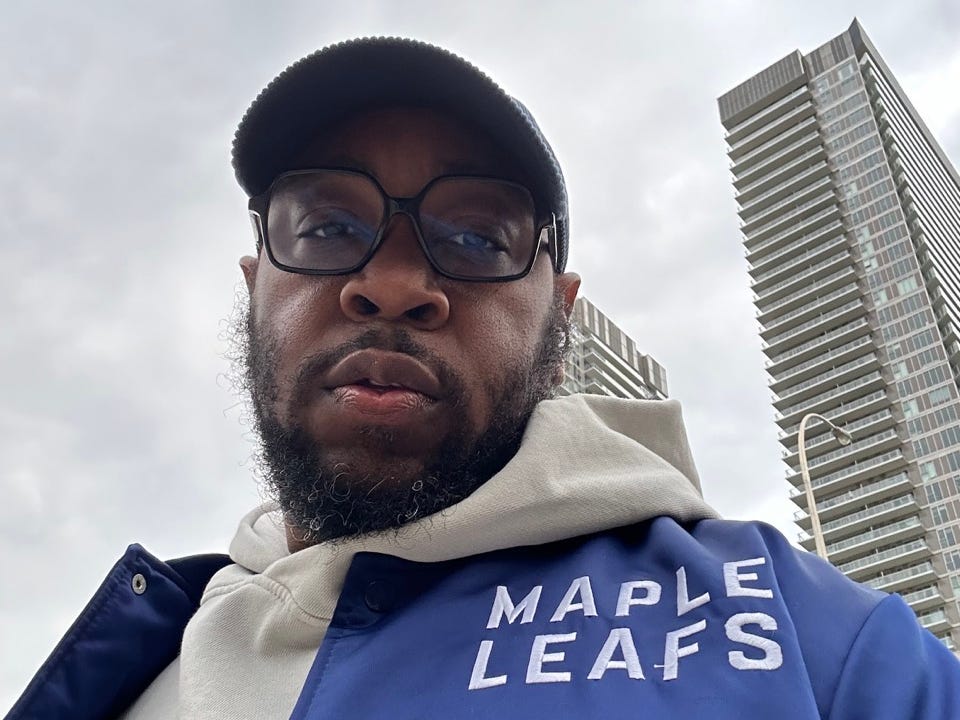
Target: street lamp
[[843, 437]]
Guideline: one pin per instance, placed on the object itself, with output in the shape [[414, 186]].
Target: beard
[[323, 499]]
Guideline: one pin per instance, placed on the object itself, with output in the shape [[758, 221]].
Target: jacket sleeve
[[895, 670]]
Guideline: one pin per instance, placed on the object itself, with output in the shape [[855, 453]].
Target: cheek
[[502, 330], [292, 309], [289, 299], [518, 312]]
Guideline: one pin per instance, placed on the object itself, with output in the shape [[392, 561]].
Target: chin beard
[[322, 499]]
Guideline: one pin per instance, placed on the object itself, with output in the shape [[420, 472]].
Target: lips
[[383, 372]]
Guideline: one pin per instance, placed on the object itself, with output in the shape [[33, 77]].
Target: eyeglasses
[[331, 221]]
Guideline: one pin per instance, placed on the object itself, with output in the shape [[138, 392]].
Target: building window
[[939, 396], [953, 461], [947, 537], [908, 285], [846, 70], [910, 408], [952, 560]]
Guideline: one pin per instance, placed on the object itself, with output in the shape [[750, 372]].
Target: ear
[[569, 285], [248, 264]]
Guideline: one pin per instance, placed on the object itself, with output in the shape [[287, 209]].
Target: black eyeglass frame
[[259, 205]]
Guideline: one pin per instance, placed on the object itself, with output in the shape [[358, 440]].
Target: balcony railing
[[812, 270], [765, 147], [775, 158], [842, 409], [830, 374], [799, 259], [752, 250], [803, 309], [759, 117], [822, 358], [755, 212], [808, 289], [827, 437], [888, 554], [872, 511], [787, 252], [748, 237], [927, 593], [874, 535], [784, 217], [818, 320], [838, 398], [882, 581], [857, 468], [860, 492], [818, 174], [852, 448], [779, 170], [819, 340], [932, 618]]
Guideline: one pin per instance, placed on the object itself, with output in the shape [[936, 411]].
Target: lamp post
[[843, 437]]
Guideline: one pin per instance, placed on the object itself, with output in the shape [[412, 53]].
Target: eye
[[475, 242], [331, 230]]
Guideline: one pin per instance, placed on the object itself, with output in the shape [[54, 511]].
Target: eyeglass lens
[[471, 227]]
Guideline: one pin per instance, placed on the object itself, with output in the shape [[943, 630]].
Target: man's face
[[393, 392]]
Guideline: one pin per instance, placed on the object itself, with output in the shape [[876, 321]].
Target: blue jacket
[[658, 620]]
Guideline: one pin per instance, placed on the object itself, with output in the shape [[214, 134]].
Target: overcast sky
[[121, 226]]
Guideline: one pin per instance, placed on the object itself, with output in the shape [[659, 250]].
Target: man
[[446, 540]]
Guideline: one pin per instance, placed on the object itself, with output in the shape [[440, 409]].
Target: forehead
[[422, 141]]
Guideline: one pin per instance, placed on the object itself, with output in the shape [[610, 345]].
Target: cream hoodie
[[587, 463]]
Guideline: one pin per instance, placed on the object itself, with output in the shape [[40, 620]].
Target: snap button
[[139, 584], [379, 596]]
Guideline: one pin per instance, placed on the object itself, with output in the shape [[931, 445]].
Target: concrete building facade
[[850, 214], [604, 360]]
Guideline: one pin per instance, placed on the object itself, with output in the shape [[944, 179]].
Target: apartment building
[[604, 360], [850, 215]]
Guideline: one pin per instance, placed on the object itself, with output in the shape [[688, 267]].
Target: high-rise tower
[[850, 215]]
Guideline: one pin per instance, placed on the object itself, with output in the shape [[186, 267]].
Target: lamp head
[[842, 436]]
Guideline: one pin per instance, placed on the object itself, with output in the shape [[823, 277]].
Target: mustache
[[395, 340]]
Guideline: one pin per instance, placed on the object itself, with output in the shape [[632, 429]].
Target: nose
[[397, 284]]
